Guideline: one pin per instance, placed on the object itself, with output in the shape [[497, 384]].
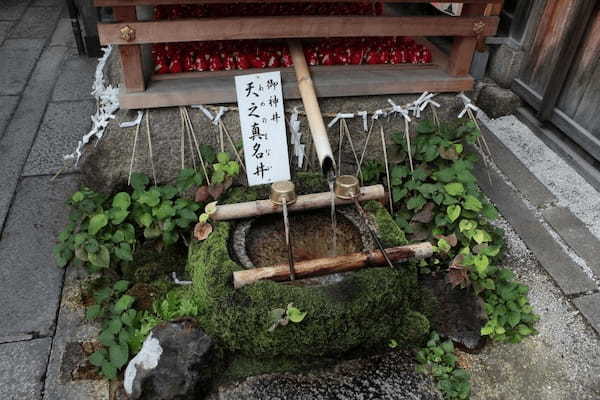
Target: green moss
[[365, 310], [389, 232], [150, 265]]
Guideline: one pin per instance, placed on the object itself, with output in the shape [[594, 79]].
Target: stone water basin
[[260, 242]]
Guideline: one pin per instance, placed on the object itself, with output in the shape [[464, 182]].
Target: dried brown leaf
[[202, 230], [452, 240], [202, 194], [419, 232], [449, 153], [424, 216], [216, 190]]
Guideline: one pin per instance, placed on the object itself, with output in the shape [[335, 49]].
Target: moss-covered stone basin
[[364, 310]]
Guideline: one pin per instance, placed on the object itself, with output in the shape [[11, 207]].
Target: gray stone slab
[[63, 380], [63, 126], [75, 83], [36, 23], [565, 272], [576, 234], [17, 60], [18, 138], [7, 106], [4, 30], [515, 170], [63, 34], [11, 10], [47, 3], [30, 281], [22, 369], [590, 308]]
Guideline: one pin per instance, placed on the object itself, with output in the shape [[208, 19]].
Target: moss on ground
[[363, 311]]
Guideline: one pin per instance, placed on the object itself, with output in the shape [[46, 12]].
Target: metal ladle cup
[[282, 194], [347, 187]]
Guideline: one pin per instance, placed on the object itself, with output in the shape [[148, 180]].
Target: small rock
[[459, 314], [498, 102], [170, 364]]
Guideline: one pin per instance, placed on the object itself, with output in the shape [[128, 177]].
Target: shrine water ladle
[[283, 194]]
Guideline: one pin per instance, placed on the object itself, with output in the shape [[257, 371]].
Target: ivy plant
[[440, 201], [438, 360]]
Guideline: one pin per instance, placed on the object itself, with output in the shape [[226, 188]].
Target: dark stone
[[171, 363], [459, 314], [498, 102], [389, 376]]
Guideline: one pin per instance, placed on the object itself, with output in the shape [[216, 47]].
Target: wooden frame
[[444, 75]]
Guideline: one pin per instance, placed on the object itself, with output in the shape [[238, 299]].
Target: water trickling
[[331, 182]]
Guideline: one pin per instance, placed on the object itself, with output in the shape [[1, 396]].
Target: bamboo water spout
[[311, 106]]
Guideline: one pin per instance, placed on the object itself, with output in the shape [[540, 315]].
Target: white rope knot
[[396, 109], [468, 103], [299, 148], [365, 116], [222, 111], [127, 124], [338, 117], [378, 113], [205, 111]]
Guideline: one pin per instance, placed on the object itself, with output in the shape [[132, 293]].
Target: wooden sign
[[262, 120]]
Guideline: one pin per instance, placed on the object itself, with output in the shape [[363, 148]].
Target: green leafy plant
[[119, 321], [224, 168], [440, 201], [438, 360], [105, 229], [280, 316]]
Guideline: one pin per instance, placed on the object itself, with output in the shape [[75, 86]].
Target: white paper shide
[[262, 119]]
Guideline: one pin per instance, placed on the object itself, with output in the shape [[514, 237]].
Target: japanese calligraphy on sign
[[262, 119]]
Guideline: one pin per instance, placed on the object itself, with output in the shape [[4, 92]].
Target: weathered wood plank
[[112, 3], [545, 50], [585, 64], [463, 48], [587, 114], [132, 70], [215, 90], [297, 27]]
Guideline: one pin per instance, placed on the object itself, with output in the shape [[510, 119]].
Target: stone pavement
[[45, 107]]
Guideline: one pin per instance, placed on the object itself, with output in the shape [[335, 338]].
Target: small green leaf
[[443, 245], [101, 259], [481, 236], [223, 157], [119, 355], [109, 371], [416, 202], [294, 314], [146, 220], [121, 286], [114, 326], [165, 210], [117, 216], [98, 358], [92, 312], [392, 344], [106, 337], [77, 197], [123, 303], [139, 181], [211, 208], [150, 198], [472, 203], [96, 223], [203, 218], [467, 225], [454, 189], [121, 201], [453, 212]]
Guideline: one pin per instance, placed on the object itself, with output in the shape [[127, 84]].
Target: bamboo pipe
[[311, 107], [331, 265], [304, 202]]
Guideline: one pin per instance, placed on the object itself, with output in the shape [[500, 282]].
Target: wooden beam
[[209, 89], [233, 28], [132, 70], [463, 48], [332, 265], [114, 3]]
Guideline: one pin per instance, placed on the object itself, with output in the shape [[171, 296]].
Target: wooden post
[[332, 265], [131, 54], [463, 48]]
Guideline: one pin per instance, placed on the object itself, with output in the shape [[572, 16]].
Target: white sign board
[[262, 119]]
